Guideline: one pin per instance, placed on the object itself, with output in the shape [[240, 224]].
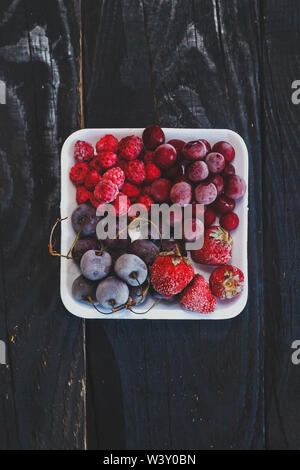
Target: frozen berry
[[160, 190], [224, 204], [131, 269], [121, 204], [146, 201], [181, 194], [109, 143], [229, 221], [209, 217], [78, 173], [152, 172], [205, 193], [207, 144], [193, 229], [173, 173], [178, 144], [106, 191], [235, 187], [145, 249], [153, 136], [225, 149], [218, 181], [130, 147], [215, 162], [83, 288], [112, 293], [84, 218], [82, 245], [116, 176], [226, 282], [135, 172], [197, 296], [95, 164], [197, 171], [194, 150], [228, 170], [131, 190], [107, 159], [165, 156], [91, 180], [83, 151], [82, 195], [147, 190], [95, 264]]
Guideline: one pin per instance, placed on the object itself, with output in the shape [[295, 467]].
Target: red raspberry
[[121, 204], [106, 191], [148, 157], [108, 143], [116, 175], [197, 297], [135, 172], [82, 195], [91, 180], [94, 201], [121, 163], [78, 173], [146, 201], [130, 147], [107, 159], [83, 151], [95, 164], [152, 172], [131, 190]]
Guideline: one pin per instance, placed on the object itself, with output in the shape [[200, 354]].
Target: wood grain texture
[[188, 385], [281, 173], [42, 387]]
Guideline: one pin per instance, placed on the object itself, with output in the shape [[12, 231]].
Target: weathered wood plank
[[42, 394], [281, 173], [189, 64]]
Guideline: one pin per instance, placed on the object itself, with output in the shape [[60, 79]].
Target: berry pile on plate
[[121, 272]]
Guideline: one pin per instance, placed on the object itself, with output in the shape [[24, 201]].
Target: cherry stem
[[52, 242]]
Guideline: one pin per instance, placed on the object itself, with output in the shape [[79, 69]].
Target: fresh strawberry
[[216, 248], [226, 282], [171, 273], [197, 297]]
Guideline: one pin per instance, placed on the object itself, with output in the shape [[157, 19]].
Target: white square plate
[[69, 269]]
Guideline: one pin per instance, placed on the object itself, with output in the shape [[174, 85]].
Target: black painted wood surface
[[163, 385]]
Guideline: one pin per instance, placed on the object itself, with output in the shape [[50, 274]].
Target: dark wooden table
[[70, 384]]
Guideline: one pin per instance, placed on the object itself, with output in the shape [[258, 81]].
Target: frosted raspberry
[[109, 143], [135, 172], [146, 201], [130, 147], [107, 159], [116, 175], [106, 191], [82, 195], [78, 173], [83, 151], [148, 157], [94, 201], [121, 204], [131, 190], [91, 180], [152, 172]]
